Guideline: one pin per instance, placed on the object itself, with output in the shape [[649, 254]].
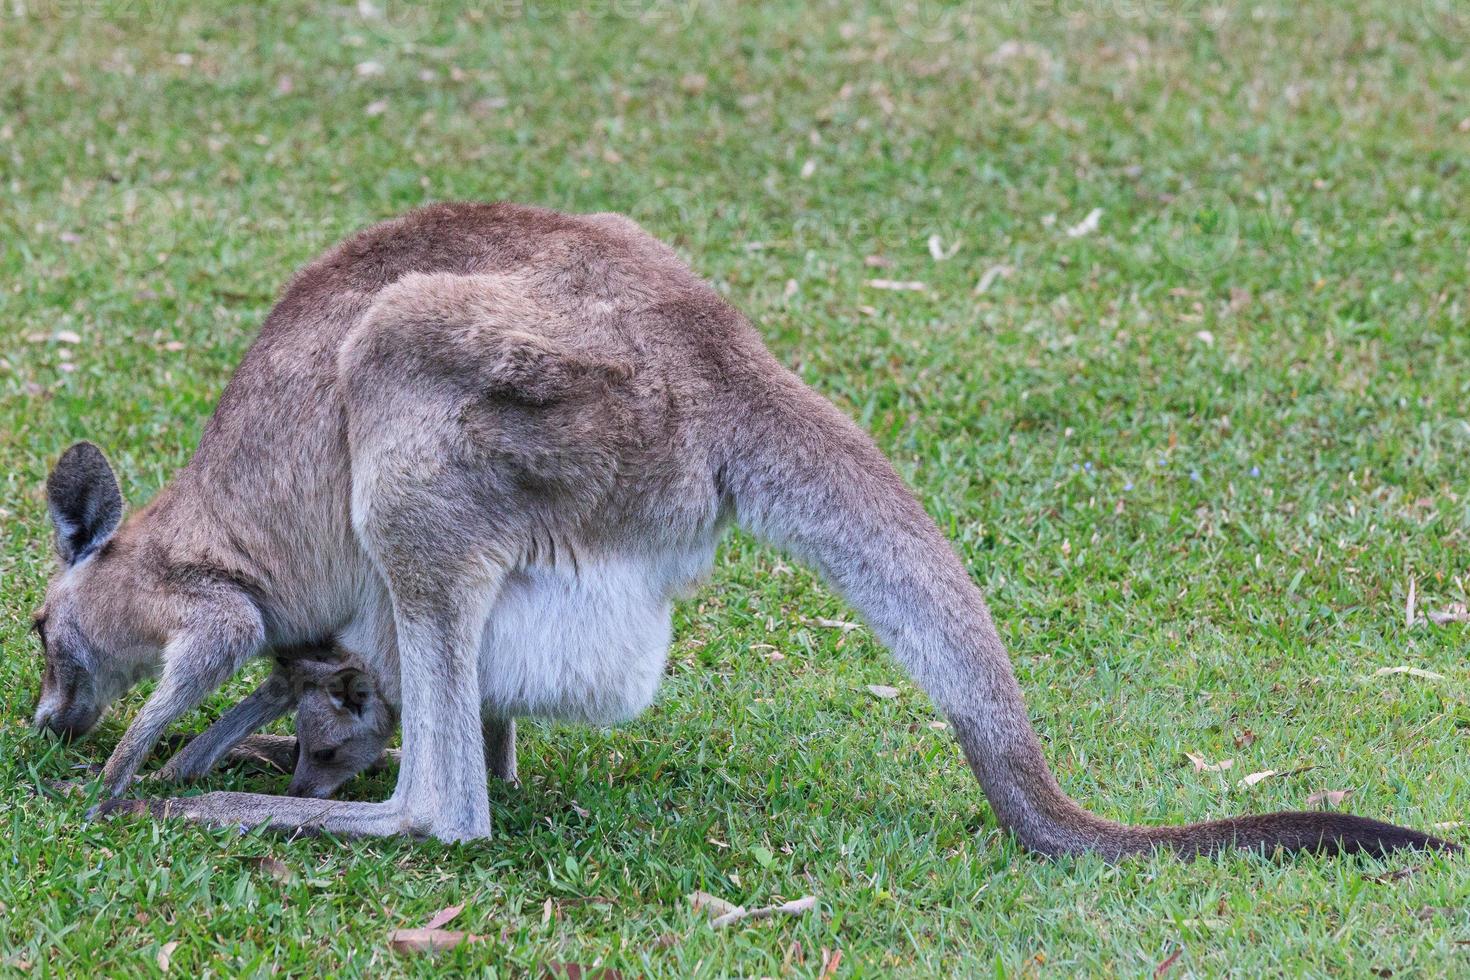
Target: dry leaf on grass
[[1331, 797], [428, 940], [432, 938], [937, 250], [1456, 612], [883, 692], [1256, 777], [795, 907], [723, 913], [712, 905], [898, 285], [832, 624], [1087, 225], [990, 275], [166, 955], [1200, 765], [272, 866], [444, 916], [1163, 967], [1428, 675], [1391, 876], [576, 971]]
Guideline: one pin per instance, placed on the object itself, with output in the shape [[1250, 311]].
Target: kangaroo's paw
[[62, 788], [288, 814], [275, 753]]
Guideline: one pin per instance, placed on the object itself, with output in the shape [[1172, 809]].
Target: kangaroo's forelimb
[[271, 700], [196, 663]]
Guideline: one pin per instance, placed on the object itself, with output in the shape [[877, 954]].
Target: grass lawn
[[1186, 380]]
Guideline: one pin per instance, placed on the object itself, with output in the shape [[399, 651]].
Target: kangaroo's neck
[[266, 498]]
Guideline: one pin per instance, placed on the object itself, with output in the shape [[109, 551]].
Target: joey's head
[[95, 644], [343, 724]]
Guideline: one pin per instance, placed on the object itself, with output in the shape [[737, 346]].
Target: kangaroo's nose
[[64, 724], [51, 722], [308, 789]]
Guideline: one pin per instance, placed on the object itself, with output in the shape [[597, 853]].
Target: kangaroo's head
[[343, 724], [97, 625]]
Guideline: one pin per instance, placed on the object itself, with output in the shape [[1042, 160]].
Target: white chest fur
[[585, 644]]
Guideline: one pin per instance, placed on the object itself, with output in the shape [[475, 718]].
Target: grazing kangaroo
[[485, 446]]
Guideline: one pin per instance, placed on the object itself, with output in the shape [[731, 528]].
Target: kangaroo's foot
[[292, 814]]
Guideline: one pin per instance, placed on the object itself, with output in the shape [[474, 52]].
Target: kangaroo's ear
[[85, 503]]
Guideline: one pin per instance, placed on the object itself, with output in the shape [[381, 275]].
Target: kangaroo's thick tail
[[803, 476]]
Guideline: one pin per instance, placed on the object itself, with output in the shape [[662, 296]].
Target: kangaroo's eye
[[324, 756]]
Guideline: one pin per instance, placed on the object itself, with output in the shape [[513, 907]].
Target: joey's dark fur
[[485, 446]]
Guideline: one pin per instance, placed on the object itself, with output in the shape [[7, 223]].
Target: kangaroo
[[487, 445], [343, 724]]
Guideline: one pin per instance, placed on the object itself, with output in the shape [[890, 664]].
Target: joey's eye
[[324, 757]]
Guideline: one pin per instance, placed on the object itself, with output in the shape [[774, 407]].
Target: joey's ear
[[351, 689], [86, 505]]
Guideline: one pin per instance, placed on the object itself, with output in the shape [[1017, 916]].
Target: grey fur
[[451, 409]]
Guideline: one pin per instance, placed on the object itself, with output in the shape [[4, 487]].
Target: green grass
[[1195, 457]]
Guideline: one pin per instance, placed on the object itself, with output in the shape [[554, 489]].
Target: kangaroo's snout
[[67, 722], [310, 786]]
